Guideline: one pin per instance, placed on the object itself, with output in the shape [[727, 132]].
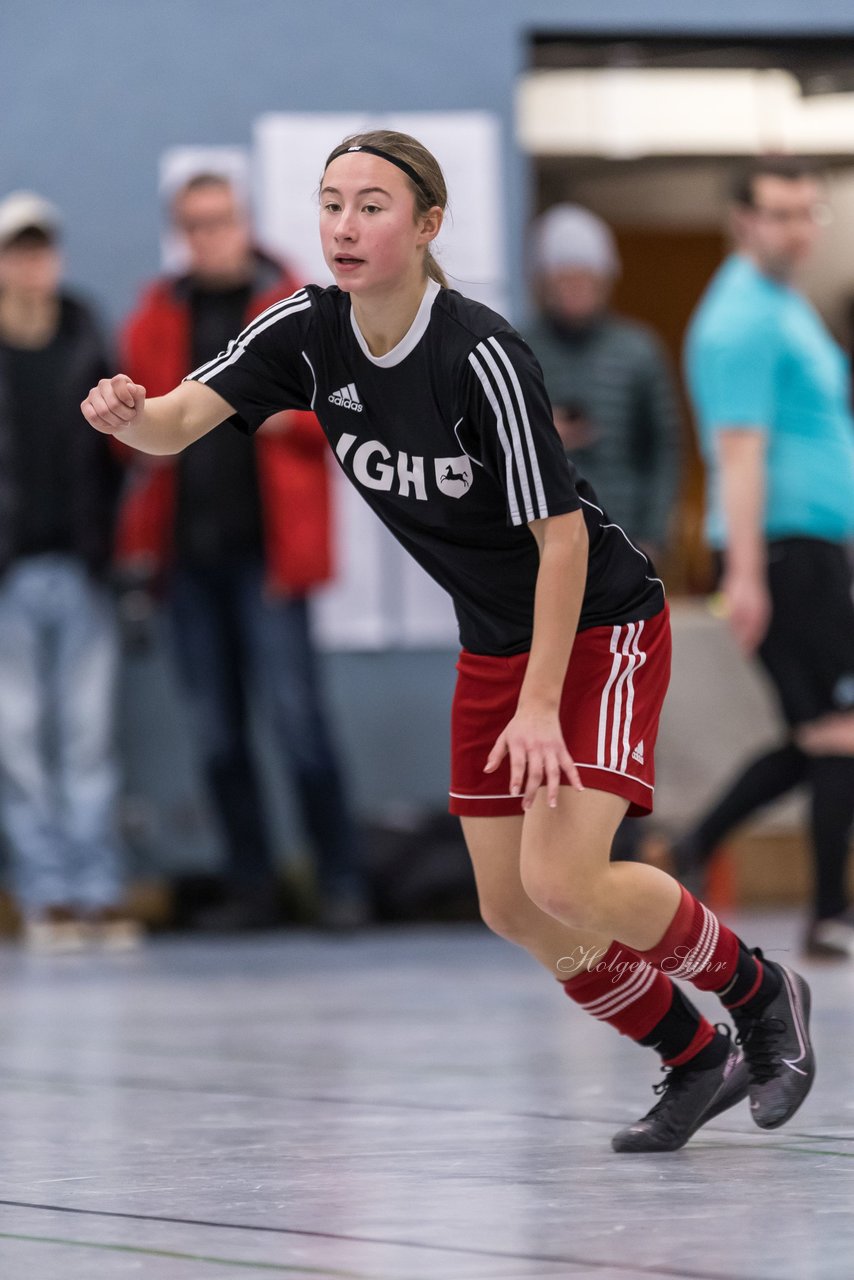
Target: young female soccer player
[[436, 411]]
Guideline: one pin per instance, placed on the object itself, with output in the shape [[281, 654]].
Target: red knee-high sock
[[640, 1002], [698, 947]]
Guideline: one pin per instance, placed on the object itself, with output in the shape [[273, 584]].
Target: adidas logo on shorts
[[637, 754], [347, 398]]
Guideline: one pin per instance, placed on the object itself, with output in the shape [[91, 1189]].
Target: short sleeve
[[264, 370], [735, 378], [508, 428]]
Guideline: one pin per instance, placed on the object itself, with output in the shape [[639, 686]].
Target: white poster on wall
[[381, 598]]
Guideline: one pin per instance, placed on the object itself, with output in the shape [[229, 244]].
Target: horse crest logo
[[453, 475]]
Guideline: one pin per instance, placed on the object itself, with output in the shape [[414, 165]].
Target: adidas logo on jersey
[[347, 398], [637, 754]]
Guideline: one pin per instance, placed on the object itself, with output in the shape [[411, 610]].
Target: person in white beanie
[[607, 377]]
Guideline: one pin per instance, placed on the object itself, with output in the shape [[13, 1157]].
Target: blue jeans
[[232, 639], [58, 775]]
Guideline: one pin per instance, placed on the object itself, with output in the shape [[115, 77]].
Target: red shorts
[[609, 710]]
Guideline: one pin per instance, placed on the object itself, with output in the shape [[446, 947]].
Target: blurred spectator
[[58, 651], [607, 377], [239, 531], [771, 391]]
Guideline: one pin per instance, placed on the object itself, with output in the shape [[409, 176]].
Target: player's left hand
[[538, 753]]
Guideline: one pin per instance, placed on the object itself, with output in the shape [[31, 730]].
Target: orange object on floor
[[721, 892]]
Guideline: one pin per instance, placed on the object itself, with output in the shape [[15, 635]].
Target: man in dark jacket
[[239, 532], [58, 651]]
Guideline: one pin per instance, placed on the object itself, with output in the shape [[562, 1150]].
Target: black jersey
[[450, 438]]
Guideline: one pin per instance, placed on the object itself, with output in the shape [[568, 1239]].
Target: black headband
[[385, 155]]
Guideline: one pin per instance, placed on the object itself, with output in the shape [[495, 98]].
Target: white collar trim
[[410, 339]]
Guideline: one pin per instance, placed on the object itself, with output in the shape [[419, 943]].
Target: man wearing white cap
[[58, 653], [606, 376]]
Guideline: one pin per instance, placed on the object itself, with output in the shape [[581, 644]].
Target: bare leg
[[566, 870], [494, 845]]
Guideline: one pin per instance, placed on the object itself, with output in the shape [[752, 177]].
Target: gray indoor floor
[[403, 1106]]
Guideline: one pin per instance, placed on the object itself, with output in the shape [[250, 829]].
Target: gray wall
[[92, 91]]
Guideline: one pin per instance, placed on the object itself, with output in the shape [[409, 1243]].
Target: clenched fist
[[114, 404]]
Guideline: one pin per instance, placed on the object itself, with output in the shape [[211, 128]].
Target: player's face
[[781, 229], [371, 238], [216, 231]]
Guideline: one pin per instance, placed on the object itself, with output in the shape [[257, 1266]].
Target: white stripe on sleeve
[[511, 419], [526, 427], [279, 311], [502, 435], [247, 330]]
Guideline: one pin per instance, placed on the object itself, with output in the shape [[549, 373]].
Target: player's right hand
[[114, 404]]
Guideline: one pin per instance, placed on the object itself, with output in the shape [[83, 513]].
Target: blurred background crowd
[[189, 735]]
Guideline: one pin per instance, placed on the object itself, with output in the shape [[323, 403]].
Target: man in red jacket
[[238, 531]]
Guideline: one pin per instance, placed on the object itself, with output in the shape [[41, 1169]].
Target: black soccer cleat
[[690, 1098], [778, 1050]]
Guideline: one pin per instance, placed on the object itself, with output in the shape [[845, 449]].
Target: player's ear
[[431, 224]]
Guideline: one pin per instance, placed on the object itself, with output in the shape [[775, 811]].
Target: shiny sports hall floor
[[400, 1106]]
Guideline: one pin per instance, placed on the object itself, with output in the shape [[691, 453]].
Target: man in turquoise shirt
[[771, 392]]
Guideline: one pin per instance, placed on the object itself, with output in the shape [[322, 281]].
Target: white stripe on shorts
[[616, 706]]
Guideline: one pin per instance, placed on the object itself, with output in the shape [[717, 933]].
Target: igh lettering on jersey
[[374, 467]]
